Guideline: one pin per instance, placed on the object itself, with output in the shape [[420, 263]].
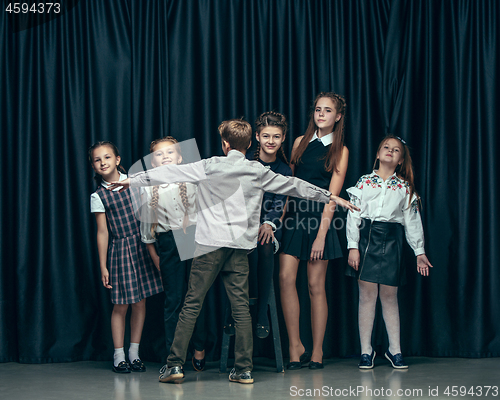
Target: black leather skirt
[[381, 250]]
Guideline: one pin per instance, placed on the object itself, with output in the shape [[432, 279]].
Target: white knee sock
[[133, 352], [119, 356]]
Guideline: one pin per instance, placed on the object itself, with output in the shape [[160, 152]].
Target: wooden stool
[[274, 328]]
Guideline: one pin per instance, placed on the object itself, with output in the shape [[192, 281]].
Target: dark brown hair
[[182, 186], [237, 132], [333, 156], [405, 169], [97, 177], [271, 118]]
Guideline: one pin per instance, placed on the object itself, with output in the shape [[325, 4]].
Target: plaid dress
[[132, 273]]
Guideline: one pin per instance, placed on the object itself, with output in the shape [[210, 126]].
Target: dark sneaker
[[170, 374], [366, 361], [242, 377], [396, 360]]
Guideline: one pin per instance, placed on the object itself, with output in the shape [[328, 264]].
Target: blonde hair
[[182, 187]]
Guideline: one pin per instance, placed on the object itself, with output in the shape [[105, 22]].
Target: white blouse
[[385, 201], [169, 212], [96, 204]]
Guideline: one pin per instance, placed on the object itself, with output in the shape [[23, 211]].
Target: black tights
[[261, 262]]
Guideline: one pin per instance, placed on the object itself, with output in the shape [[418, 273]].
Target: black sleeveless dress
[[302, 220]]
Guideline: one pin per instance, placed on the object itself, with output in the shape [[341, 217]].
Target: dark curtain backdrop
[[131, 71]]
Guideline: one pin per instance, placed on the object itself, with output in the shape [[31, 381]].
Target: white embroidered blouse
[[385, 201]]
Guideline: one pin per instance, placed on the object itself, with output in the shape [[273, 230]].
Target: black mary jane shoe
[[122, 368], [137, 366], [304, 359], [198, 365], [316, 365]]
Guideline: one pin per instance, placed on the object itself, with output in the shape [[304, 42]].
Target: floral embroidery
[[396, 183], [359, 184], [374, 181]]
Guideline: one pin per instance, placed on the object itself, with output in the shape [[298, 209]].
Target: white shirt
[[385, 201], [229, 198], [170, 211], [96, 204]]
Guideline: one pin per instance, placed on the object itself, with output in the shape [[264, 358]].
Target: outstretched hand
[[343, 203], [125, 184], [423, 265]]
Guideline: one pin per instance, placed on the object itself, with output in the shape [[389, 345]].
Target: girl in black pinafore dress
[[320, 158]]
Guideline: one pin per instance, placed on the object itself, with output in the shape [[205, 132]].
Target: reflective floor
[[436, 378]]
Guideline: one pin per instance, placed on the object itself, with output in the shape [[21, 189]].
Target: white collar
[[325, 140], [122, 178], [393, 176]]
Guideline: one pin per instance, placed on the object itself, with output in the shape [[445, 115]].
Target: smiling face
[[165, 153], [325, 115], [390, 153], [270, 138], [105, 162]]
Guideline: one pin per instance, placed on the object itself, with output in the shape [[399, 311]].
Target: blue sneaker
[[396, 360], [366, 361]]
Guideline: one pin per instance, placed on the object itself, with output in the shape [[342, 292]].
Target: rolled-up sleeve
[[414, 230], [292, 186]]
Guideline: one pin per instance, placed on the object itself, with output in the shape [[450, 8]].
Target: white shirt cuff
[[352, 245], [419, 251]]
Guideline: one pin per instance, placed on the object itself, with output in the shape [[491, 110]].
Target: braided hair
[[111, 145], [333, 156], [271, 118], [182, 186]]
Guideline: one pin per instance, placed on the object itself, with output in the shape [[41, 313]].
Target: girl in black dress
[[319, 157]]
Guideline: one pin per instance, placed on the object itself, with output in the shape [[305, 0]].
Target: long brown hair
[[111, 145], [405, 169], [271, 118], [333, 156], [182, 186]]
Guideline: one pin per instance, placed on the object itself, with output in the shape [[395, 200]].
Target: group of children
[[240, 202]]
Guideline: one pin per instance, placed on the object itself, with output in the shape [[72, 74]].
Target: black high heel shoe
[[304, 359]]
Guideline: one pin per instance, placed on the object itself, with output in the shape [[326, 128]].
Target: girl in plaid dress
[[126, 267]]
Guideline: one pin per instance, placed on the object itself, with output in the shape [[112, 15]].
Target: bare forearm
[[326, 219], [102, 248]]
